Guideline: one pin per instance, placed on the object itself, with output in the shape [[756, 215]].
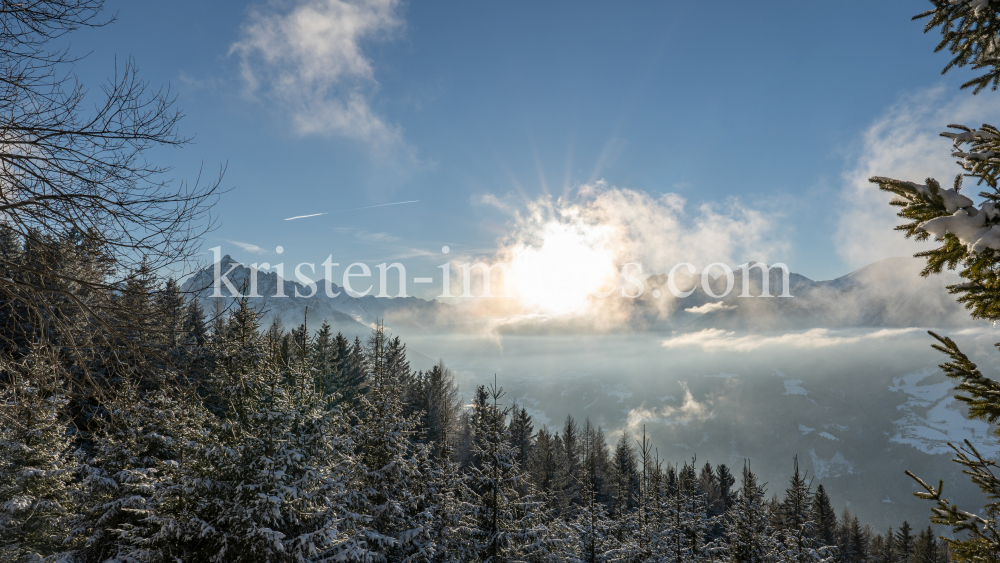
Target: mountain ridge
[[889, 293]]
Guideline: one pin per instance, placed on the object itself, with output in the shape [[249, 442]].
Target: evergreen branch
[[982, 394], [969, 30]]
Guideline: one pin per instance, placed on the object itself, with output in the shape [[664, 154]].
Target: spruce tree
[[388, 464], [905, 543], [36, 468], [888, 553], [444, 523], [441, 409], [521, 434], [508, 524], [572, 443], [749, 537], [269, 483], [693, 515], [170, 310], [544, 465], [824, 517], [591, 525], [131, 462], [798, 526], [626, 476], [970, 244], [352, 384], [855, 543], [195, 360], [598, 458], [926, 548], [325, 360]]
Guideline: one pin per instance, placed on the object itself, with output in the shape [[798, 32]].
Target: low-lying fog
[[856, 406]]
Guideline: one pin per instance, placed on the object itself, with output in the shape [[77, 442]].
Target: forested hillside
[[229, 441]]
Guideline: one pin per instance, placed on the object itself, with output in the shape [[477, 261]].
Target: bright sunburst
[[571, 262]]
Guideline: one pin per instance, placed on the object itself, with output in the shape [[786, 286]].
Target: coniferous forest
[[237, 442], [135, 426]]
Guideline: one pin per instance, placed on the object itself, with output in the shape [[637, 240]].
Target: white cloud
[[561, 253], [690, 410], [375, 237], [367, 236], [247, 247], [309, 60], [904, 143], [709, 307], [714, 339], [655, 230]]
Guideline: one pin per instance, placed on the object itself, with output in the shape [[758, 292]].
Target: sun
[[571, 262]]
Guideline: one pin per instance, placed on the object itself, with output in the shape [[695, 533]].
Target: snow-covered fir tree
[[969, 237], [132, 459], [509, 525], [386, 473], [270, 485], [749, 537], [36, 470], [798, 527]]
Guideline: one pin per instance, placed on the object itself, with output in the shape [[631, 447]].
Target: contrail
[[304, 216], [355, 209]]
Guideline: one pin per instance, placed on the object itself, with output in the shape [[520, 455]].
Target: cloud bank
[[656, 230], [718, 340], [575, 258]]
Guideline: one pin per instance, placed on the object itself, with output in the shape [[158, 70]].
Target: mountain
[[889, 293], [354, 316]]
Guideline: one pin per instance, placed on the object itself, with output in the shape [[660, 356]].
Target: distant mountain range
[[887, 293]]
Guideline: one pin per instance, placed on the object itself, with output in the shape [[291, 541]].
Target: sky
[[731, 130]]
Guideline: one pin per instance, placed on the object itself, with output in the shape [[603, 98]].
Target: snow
[[620, 392], [976, 5], [968, 136], [953, 201], [805, 429], [990, 209], [932, 418], [986, 238], [969, 226], [836, 466], [967, 223], [974, 155], [829, 436], [538, 415], [794, 387], [961, 223]]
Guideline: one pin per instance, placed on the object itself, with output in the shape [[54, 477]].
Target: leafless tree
[[75, 177]]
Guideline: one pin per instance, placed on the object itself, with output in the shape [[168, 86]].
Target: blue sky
[[478, 109]]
